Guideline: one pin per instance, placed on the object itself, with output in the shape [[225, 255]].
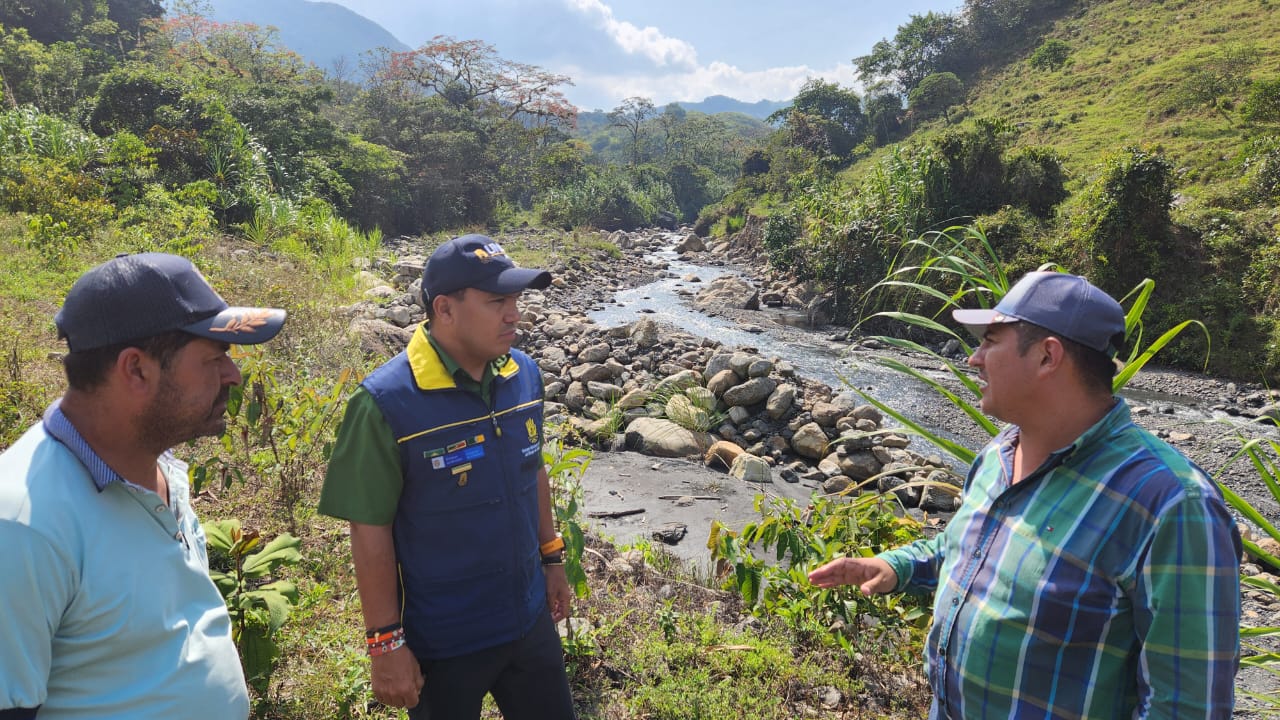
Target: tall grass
[[27, 131]]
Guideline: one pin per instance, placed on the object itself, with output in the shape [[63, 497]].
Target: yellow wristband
[[554, 545]]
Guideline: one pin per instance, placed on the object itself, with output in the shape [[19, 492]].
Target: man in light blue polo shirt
[[108, 609]]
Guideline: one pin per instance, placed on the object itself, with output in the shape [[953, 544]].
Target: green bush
[[782, 239], [1036, 180], [1051, 55], [1120, 225], [1263, 104]]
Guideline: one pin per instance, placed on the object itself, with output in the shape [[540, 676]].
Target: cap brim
[[240, 325], [514, 280], [977, 320]]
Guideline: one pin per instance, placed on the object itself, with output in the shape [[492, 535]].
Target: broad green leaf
[[283, 550]]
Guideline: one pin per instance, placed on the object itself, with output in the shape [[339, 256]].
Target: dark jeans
[[526, 677]]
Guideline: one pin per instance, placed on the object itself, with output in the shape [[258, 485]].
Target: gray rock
[[826, 414], [727, 292], [810, 441], [678, 381], [589, 372], [780, 401], [739, 415], [753, 391], [604, 391], [379, 338], [859, 465], [750, 468], [595, 353], [740, 362], [759, 368], [868, 413], [722, 381], [644, 333], [836, 483]]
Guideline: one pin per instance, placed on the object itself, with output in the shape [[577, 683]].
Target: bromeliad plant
[[241, 565]]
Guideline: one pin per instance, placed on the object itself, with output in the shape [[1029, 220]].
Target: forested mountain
[[326, 34], [723, 104]]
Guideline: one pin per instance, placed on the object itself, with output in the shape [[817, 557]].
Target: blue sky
[[666, 50]]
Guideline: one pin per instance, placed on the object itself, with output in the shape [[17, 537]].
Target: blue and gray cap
[[1066, 305], [131, 297]]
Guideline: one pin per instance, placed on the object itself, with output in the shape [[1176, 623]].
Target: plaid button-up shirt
[[1104, 585]]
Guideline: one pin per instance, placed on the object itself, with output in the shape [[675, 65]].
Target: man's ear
[[442, 308], [1053, 353], [135, 369]]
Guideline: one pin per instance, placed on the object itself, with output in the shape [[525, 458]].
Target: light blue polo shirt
[[108, 609]]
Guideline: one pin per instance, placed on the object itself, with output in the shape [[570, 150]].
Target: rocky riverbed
[[634, 391]]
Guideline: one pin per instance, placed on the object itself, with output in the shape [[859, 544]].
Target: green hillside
[[1129, 64], [1120, 140]]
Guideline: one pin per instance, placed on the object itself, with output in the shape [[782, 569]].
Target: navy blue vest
[[466, 527]]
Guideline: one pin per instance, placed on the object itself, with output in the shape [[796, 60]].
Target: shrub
[[1263, 104], [1121, 224], [1036, 180], [782, 238], [1051, 55]]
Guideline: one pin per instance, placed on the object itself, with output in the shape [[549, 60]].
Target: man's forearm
[[546, 512], [374, 552]]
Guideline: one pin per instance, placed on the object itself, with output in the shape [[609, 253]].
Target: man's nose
[[230, 372]]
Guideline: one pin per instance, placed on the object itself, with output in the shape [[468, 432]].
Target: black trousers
[[525, 676]]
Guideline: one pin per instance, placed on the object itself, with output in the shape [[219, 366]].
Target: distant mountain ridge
[[721, 103], [321, 32]]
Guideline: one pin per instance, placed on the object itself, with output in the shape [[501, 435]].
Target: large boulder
[[755, 390], [663, 438], [810, 441], [727, 292], [378, 337], [780, 401]]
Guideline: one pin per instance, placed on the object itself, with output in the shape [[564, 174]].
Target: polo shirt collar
[[61, 429], [433, 369]]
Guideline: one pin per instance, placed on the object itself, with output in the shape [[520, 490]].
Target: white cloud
[[648, 41], [717, 78]]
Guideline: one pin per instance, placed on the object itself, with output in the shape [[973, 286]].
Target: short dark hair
[[431, 313], [1096, 368], [87, 369]]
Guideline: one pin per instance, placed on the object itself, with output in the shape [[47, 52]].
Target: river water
[[817, 354]]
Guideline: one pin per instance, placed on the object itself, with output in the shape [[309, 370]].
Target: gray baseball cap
[[1066, 305]]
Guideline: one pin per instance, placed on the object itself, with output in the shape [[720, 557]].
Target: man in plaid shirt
[[1092, 570]]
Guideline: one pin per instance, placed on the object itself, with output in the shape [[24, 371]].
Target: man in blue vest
[[438, 468], [108, 609]]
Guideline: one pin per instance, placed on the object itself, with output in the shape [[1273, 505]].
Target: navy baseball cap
[[476, 261], [1066, 305], [132, 297]]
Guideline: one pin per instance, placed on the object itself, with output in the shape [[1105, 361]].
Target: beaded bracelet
[[384, 643], [384, 648]]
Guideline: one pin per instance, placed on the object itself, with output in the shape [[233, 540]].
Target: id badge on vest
[[458, 457]]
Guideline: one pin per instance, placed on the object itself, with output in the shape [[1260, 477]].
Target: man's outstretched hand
[[873, 576]]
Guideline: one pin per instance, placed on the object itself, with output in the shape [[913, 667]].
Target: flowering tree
[[469, 75]]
